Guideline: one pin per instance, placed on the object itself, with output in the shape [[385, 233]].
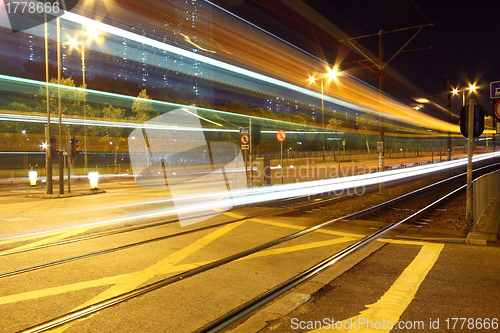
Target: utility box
[[263, 166]]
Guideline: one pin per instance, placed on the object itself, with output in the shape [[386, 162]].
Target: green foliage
[[71, 99], [143, 107], [19, 107], [367, 122]]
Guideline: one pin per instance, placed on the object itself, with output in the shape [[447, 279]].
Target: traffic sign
[[497, 109], [495, 89], [245, 139], [281, 135], [245, 147], [380, 145], [244, 130]]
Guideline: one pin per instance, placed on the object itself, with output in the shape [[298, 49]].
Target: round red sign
[[281, 136], [245, 139], [497, 109]]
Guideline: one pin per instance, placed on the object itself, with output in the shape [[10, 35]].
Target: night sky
[[461, 45]]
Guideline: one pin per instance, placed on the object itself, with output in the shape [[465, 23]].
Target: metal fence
[[485, 189]]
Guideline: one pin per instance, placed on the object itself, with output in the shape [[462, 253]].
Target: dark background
[[461, 44]]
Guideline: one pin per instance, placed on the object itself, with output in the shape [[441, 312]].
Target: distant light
[[94, 180], [455, 91], [472, 87], [417, 107], [44, 145], [312, 79], [110, 142], [23, 131], [133, 138], [33, 175]]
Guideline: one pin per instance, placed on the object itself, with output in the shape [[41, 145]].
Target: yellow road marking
[[394, 302], [131, 281], [300, 247], [297, 227], [118, 279], [53, 239]]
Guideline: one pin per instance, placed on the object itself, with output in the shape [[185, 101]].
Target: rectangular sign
[[498, 127], [244, 130], [495, 89], [380, 145], [245, 147]]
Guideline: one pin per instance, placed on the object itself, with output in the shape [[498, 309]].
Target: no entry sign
[[497, 109], [281, 136], [245, 139]]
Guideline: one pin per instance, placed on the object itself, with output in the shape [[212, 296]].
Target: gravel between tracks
[[450, 216]]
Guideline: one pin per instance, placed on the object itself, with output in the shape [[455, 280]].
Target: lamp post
[[48, 157], [468, 204], [92, 33], [331, 75]]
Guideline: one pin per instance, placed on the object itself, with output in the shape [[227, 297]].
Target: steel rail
[[241, 311], [259, 301]]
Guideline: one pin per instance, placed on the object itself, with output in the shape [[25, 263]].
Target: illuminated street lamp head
[[312, 79], [455, 91], [332, 74], [472, 87], [92, 32], [73, 43]]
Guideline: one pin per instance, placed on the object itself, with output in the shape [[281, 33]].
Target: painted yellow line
[[297, 227], [27, 238], [393, 303], [236, 216], [300, 247], [133, 280], [53, 239], [159, 269]]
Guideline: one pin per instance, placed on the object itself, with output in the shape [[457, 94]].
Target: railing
[[485, 189]]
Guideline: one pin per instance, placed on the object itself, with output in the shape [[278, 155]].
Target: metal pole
[[338, 153], [68, 156], [61, 157], [323, 118], [48, 157], [251, 159], [84, 113], [381, 162], [282, 167], [432, 153], [448, 142], [470, 134]]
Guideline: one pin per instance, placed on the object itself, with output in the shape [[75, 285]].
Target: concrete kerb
[[487, 226]]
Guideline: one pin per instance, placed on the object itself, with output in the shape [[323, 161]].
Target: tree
[[143, 107], [367, 122], [71, 99], [114, 133], [335, 123]]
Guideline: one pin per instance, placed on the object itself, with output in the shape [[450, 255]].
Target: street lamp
[[472, 88], [332, 74], [92, 33]]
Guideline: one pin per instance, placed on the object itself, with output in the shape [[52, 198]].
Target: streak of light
[[105, 123], [256, 195], [348, 93]]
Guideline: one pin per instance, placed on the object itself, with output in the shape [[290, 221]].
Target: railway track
[[250, 306]]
